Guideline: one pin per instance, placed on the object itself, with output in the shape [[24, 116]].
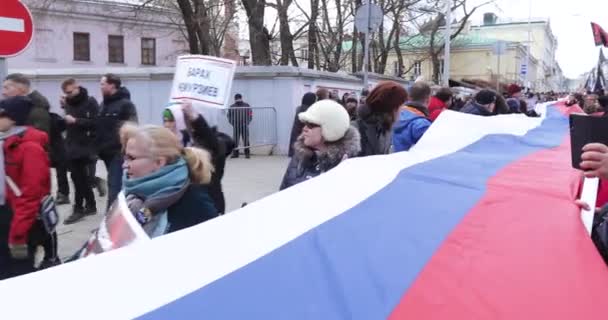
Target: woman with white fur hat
[[326, 139]]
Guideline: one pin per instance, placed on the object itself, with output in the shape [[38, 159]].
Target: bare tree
[[286, 36], [259, 36]]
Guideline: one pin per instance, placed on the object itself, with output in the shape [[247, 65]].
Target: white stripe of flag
[[12, 24]]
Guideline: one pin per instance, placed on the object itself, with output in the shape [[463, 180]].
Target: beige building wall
[[471, 63]]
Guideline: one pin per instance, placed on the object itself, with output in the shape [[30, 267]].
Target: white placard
[[117, 229], [205, 80], [589, 195]]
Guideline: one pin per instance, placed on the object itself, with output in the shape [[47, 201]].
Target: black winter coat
[[80, 137], [219, 146], [194, 207], [115, 110], [307, 164], [56, 141]]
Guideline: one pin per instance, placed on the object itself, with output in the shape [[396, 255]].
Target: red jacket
[[27, 163], [436, 107]]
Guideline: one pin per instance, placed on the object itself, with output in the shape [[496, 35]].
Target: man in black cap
[[23, 186], [483, 104]]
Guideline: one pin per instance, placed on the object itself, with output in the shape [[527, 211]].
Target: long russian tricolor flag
[[476, 222]]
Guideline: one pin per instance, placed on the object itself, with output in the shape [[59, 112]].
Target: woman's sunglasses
[[311, 125]]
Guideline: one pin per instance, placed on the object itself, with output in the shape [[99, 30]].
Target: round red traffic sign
[[16, 28]]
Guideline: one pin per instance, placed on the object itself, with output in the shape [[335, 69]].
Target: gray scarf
[[3, 136]]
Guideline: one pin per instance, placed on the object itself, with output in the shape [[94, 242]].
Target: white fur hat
[[330, 116]]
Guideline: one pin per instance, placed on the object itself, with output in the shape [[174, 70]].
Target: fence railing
[[250, 127]]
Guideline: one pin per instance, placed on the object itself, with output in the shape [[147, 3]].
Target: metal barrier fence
[[250, 127]]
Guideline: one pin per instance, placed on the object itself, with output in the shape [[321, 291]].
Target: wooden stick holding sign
[[204, 80]]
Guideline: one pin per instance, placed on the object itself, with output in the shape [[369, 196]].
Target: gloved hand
[[18, 251]]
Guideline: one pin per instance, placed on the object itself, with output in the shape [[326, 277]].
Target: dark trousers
[[10, 267], [81, 179], [61, 171], [91, 170], [241, 131], [113, 164]]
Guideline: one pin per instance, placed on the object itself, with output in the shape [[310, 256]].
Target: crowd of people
[[171, 175]]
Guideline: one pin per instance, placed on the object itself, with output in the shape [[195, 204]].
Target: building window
[[304, 53], [148, 51], [82, 46], [417, 68], [116, 49], [396, 72]]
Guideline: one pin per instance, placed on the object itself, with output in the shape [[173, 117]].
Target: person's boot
[[100, 185], [235, 154], [76, 216], [90, 210], [62, 199]]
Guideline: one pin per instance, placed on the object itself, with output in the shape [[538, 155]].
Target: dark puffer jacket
[[115, 110], [307, 164], [80, 138], [375, 140], [219, 146]]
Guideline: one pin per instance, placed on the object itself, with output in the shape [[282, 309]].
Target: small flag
[[600, 36]]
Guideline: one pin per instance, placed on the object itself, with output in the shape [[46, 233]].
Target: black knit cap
[[16, 109], [485, 97]]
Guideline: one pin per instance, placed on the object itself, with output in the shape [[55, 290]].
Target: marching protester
[[192, 129], [351, 107], [116, 109], [483, 104], [442, 100], [514, 100], [322, 94], [163, 181], [375, 119], [413, 118], [25, 183], [240, 116], [326, 140], [81, 113], [17, 84], [308, 100]]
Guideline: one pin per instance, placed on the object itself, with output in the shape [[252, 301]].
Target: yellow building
[[543, 46], [473, 57], [474, 54]]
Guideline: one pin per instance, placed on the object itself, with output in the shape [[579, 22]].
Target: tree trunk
[[313, 46], [287, 50], [400, 66], [191, 25], [259, 37], [203, 30]]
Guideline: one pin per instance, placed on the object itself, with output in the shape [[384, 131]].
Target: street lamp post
[[448, 35]]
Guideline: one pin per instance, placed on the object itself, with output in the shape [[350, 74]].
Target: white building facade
[[100, 34]]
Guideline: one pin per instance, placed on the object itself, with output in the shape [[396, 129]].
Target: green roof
[[419, 42]]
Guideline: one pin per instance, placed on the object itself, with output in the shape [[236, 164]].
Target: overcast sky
[[570, 21]]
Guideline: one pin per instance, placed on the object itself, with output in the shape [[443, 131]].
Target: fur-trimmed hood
[[349, 145]]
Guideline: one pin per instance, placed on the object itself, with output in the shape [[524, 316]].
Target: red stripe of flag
[[527, 257]]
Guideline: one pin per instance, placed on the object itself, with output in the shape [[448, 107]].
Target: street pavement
[[245, 180]]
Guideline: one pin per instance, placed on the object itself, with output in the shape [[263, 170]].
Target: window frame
[[121, 48], [78, 51], [145, 55]]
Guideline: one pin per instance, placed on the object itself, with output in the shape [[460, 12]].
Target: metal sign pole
[[448, 34], [3, 69], [367, 39]]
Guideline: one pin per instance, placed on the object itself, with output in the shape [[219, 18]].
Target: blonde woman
[[163, 181]]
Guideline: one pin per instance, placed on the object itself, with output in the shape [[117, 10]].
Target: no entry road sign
[[16, 28]]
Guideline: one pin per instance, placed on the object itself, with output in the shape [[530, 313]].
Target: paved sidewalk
[[245, 180]]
